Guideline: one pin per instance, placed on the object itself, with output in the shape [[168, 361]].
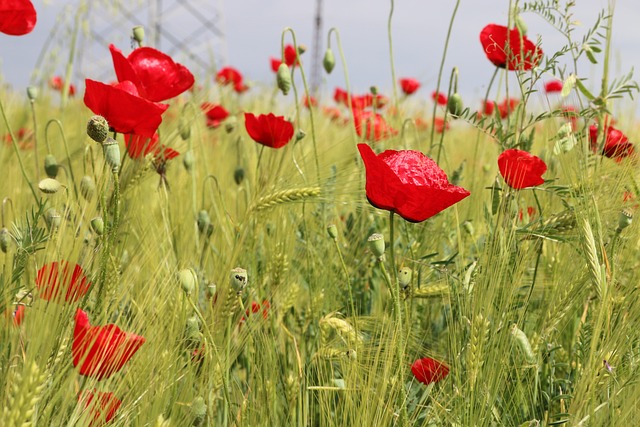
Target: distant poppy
[[215, 114], [56, 83], [409, 183], [508, 49], [62, 280], [439, 97], [372, 126], [229, 76], [268, 129], [15, 314], [488, 108], [290, 56], [409, 86], [428, 370], [553, 86], [508, 106], [101, 351], [440, 125], [379, 100], [332, 112], [360, 102], [17, 17], [125, 111], [530, 213], [521, 169], [341, 96], [156, 76], [139, 147], [570, 113], [24, 138], [101, 406], [256, 307], [616, 145], [309, 101]]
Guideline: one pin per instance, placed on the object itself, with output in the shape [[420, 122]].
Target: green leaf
[[568, 85], [583, 89]]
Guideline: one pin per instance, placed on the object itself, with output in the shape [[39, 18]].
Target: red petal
[[521, 169], [17, 17], [161, 77]]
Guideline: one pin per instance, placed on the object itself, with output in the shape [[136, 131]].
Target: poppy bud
[[283, 78], [332, 230], [404, 277], [49, 186], [184, 129], [211, 290], [376, 243], [52, 218], [373, 90], [51, 166], [138, 34], [328, 62], [97, 225], [624, 220], [455, 104], [32, 93], [238, 175], [300, 135], [5, 239], [230, 124], [87, 187], [98, 128], [188, 280], [111, 151], [238, 279], [468, 227], [302, 49], [187, 161], [203, 221], [198, 411]]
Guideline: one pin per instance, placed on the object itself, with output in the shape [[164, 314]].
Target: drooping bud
[[138, 34], [5, 239], [97, 225], [187, 161], [32, 93], [49, 186], [301, 49], [188, 280], [111, 151], [329, 61], [52, 218], [238, 175], [87, 187], [376, 243], [283, 78], [184, 129], [332, 230], [51, 166], [238, 279], [300, 135], [98, 128], [455, 105], [624, 220], [203, 221]]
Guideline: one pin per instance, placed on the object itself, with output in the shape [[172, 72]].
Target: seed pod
[[329, 61], [87, 187], [98, 129], [624, 219], [138, 34], [238, 175], [283, 78], [51, 166], [52, 218], [32, 93], [187, 161], [238, 279], [97, 225], [49, 186], [111, 151], [5, 239], [203, 221], [188, 280], [332, 230], [455, 105], [404, 277], [376, 243]]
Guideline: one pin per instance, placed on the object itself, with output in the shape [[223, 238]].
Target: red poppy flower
[[216, 114], [530, 213], [372, 126], [309, 101], [101, 351], [15, 314], [17, 17], [409, 85], [409, 183], [100, 405], [270, 130], [138, 147], [56, 83], [616, 145], [290, 56], [428, 370], [341, 96], [24, 138], [488, 108], [440, 125], [380, 100], [154, 73], [439, 97], [256, 307], [508, 49], [229, 76], [125, 111], [62, 280], [332, 112], [521, 169], [553, 86], [507, 107], [360, 102]]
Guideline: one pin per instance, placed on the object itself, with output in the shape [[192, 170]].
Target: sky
[[253, 30]]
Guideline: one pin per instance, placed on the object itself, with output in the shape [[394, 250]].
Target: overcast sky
[[253, 29]]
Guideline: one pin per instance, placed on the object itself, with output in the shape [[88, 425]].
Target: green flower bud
[[111, 151], [301, 49], [51, 166], [373, 90], [468, 227], [624, 219], [230, 124], [333, 231], [87, 187], [455, 104], [187, 161], [300, 135], [138, 34], [203, 221], [32, 93], [98, 128], [238, 175], [49, 186], [404, 277], [52, 218], [188, 280], [5, 239], [238, 279], [198, 411], [97, 225], [283, 78], [376, 243], [329, 61]]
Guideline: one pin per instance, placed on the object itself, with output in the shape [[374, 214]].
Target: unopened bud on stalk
[[329, 61], [184, 129], [87, 187], [238, 279], [188, 280], [455, 105], [32, 93], [624, 220], [51, 166], [138, 34], [230, 124], [404, 277], [5, 239], [52, 218], [203, 221], [111, 151], [198, 411], [283, 78], [238, 175], [187, 161], [468, 227], [98, 128], [332, 230], [373, 90], [302, 49], [97, 225], [300, 135], [49, 186], [376, 243]]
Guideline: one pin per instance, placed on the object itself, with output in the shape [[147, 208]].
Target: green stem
[[66, 149], [453, 81], [72, 53], [393, 67], [346, 78], [35, 138]]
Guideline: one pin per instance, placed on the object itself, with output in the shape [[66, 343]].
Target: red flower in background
[[24, 138], [508, 49], [309, 101], [125, 111], [101, 351], [360, 102], [138, 147], [439, 97], [440, 125], [16, 315], [17, 17], [409, 85], [409, 183], [57, 84], [428, 370], [62, 280], [488, 108], [616, 145], [156, 76], [101, 406], [530, 213], [507, 107], [372, 126], [521, 169], [270, 130], [290, 56], [332, 112], [229, 76], [341, 96], [215, 114], [553, 86]]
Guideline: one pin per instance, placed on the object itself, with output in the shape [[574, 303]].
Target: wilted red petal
[[507, 49], [521, 169], [428, 370], [62, 280], [102, 406], [409, 85], [409, 183], [17, 17], [270, 130], [275, 64]]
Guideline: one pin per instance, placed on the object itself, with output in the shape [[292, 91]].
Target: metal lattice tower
[[317, 49]]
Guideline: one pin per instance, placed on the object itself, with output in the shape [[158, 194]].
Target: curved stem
[[453, 84], [66, 149], [35, 138]]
